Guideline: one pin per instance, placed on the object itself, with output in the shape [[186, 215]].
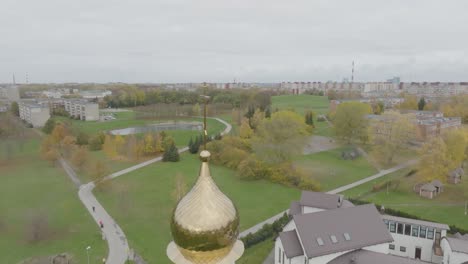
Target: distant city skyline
[[179, 41]]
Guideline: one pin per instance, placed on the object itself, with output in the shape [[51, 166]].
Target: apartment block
[[82, 109], [34, 113]]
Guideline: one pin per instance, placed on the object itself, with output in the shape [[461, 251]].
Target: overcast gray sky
[[217, 41]]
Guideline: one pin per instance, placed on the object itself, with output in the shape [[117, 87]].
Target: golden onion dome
[[205, 222]]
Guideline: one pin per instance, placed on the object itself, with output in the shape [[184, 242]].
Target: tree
[[281, 137], [434, 163], [457, 142], [119, 142], [171, 154], [131, 146], [351, 122], [49, 126], [109, 147], [95, 143], [250, 112], [378, 107], [390, 135], [148, 144], [421, 104], [82, 139], [309, 118], [99, 171], [14, 108], [267, 112], [67, 145], [194, 145], [79, 158], [245, 131], [167, 142], [440, 155], [59, 133], [410, 102], [256, 119]]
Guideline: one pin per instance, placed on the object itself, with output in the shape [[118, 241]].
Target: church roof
[[291, 245], [320, 200], [343, 229], [458, 245], [295, 208], [363, 256]]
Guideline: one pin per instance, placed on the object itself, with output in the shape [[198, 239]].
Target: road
[[116, 239], [382, 173]]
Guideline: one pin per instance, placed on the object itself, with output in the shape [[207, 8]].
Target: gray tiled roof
[[458, 245], [363, 224], [319, 200], [437, 183], [369, 257], [291, 245], [428, 187], [295, 208]]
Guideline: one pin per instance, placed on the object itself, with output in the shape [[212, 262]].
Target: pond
[[158, 127]]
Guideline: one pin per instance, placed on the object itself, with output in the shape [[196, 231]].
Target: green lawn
[[30, 186], [142, 202], [301, 104], [127, 119], [257, 253], [447, 208], [328, 168]]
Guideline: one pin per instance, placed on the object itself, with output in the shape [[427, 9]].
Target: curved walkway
[[119, 251]]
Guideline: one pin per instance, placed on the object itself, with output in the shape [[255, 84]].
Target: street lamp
[[87, 252]]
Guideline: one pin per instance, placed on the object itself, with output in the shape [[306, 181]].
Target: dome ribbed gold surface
[[205, 223]]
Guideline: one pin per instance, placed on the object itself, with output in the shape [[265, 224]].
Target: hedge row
[[266, 232]]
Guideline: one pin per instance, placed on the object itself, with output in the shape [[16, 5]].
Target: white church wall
[[451, 257]]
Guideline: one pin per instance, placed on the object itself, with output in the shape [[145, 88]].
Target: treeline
[[133, 148], [131, 96]]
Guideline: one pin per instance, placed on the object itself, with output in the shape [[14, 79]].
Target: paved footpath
[[116, 240], [382, 173]]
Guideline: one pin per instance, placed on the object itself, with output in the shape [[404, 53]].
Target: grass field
[[142, 202], [257, 253], [127, 119], [328, 168], [30, 186], [303, 103], [447, 208]]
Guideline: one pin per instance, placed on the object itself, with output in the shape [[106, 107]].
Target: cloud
[[208, 40]]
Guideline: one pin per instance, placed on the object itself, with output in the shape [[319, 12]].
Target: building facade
[[82, 109], [34, 113]]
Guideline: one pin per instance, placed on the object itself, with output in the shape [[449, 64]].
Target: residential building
[[82, 109], [34, 112], [325, 228]]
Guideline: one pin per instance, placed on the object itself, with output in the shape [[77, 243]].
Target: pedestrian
[[101, 224], [94, 209]]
